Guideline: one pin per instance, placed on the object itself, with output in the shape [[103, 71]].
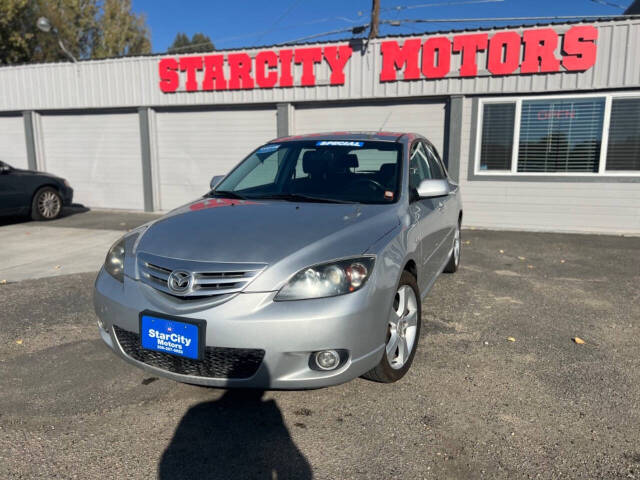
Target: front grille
[[209, 278], [218, 362]]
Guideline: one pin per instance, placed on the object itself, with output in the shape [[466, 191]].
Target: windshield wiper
[[297, 197], [225, 193]]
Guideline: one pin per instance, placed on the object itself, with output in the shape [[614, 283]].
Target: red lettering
[[469, 45], [539, 48], [395, 57], [308, 57], [580, 48], [442, 45], [190, 65], [169, 78], [214, 73], [239, 71], [266, 60], [504, 53], [286, 78], [337, 58]]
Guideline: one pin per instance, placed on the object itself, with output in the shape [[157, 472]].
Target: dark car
[[39, 194]]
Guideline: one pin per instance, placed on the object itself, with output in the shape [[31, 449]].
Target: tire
[[46, 204], [456, 253], [394, 363]]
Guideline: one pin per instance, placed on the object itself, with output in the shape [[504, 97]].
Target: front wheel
[[46, 205], [403, 333]]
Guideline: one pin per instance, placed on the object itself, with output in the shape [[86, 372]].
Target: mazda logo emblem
[[180, 281]]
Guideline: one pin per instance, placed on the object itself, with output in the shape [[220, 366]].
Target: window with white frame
[[588, 134]]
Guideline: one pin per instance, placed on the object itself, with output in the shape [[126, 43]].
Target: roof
[[348, 136]]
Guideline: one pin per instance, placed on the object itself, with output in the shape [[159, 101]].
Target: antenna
[[385, 121]]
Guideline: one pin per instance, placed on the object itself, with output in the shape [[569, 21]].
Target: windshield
[[318, 170]]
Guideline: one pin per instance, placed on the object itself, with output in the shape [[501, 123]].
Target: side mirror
[[433, 188], [215, 181]]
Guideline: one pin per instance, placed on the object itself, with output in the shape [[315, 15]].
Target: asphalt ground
[[474, 404]]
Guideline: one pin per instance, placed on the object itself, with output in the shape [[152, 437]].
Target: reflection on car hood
[[224, 230]]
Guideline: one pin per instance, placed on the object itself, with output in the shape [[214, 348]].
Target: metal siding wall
[[195, 146], [100, 156], [425, 118], [133, 82], [554, 206], [13, 146]]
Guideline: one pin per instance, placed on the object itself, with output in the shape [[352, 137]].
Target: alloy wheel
[[49, 204], [403, 326]]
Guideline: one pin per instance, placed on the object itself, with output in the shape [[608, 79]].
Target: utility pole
[[375, 18]]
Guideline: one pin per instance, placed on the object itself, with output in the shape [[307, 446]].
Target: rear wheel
[[46, 205], [403, 333], [454, 259]]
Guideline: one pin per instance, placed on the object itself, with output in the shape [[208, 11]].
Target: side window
[[435, 165], [418, 166]]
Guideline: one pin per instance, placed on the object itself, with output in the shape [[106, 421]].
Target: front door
[[425, 216]]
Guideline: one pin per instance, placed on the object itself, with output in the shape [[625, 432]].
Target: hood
[[34, 172], [223, 230]]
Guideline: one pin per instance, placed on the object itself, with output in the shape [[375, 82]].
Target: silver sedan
[[304, 267]]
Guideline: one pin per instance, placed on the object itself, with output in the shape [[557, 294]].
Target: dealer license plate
[[179, 337]]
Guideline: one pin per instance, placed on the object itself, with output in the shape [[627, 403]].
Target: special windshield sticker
[[339, 143], [220, 202], [388, 194], [268, 148]]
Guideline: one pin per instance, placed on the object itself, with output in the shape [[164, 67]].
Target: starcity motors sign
[[534, 51]]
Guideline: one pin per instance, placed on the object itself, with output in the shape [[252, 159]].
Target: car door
[[12, 196], [446, 206], [423, 213]]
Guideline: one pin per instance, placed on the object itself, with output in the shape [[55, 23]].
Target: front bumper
[[288, 332], [67, 196]]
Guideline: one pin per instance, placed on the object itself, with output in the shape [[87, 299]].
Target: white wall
[[99, 154], [13, 146], [605, 207]]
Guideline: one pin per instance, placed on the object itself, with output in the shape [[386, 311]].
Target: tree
[[15, 39], [120, 31], [199, 43], [88, 28]]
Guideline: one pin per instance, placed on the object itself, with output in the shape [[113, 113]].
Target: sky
[[245, 23]]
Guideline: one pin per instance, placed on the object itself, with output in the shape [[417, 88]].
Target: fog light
[[101, 325], [327, 359]]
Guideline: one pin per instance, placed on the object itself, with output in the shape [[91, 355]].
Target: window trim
[[604, 145]]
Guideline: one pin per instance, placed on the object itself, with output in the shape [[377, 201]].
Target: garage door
[[425, 118], [100, 156], [13, 147], [194, 146]]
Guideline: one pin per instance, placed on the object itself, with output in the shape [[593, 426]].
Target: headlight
[[114, 263], [328, 279]]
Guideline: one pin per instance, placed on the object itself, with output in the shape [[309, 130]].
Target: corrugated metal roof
[[133, 81], [578, 20]]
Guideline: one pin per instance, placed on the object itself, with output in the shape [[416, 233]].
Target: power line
[[285, 27], [354, 30], [609, 4], [440, 4], [292, 7], [396, 23]]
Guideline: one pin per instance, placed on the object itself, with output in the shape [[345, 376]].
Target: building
[[539, 124]]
